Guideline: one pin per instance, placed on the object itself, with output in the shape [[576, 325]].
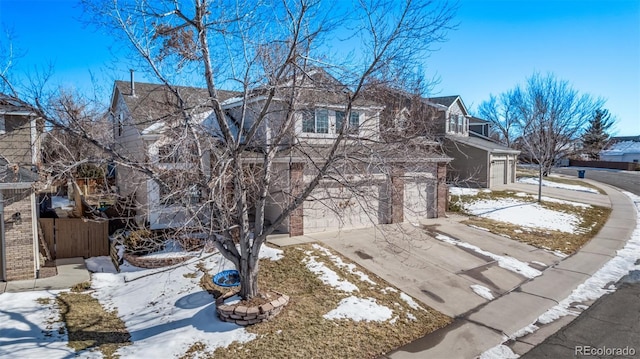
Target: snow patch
[[506, 262], [270, 253], [499, 352], [551, 184], [341, 264], [462, 191], [482, 291], [327, 275], [412, 303], [359, 309]]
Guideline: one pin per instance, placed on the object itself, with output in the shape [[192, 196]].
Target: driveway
[[438, 273]]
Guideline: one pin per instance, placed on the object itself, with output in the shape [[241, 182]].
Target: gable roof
[[480, 143], [154, 102], [444, 100], [12, 105]]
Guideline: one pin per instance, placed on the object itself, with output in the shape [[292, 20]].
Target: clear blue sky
[[595, 45]]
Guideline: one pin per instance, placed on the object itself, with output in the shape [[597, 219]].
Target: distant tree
[[596, 136], [545, 118], [502, 112]]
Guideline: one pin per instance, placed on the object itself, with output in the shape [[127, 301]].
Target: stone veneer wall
[[296, 218], [397, 195], [19, 245], [443, 190]]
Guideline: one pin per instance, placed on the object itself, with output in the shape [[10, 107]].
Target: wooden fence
[[75, 237], [627, 166]]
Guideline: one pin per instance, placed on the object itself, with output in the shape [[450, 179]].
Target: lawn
[[553, 224], [337, 310]]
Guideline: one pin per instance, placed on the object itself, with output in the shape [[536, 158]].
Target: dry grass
[[89, 326], [593, 218], [301, 331]]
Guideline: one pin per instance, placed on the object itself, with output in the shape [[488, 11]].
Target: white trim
[[15, 185]]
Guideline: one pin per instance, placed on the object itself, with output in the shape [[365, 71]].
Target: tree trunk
[[248, 278], [539, 182]]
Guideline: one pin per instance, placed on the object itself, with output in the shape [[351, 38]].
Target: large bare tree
[[544, 118], [220, 157]]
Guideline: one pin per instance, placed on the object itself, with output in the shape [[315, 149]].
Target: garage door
[[498, 176]]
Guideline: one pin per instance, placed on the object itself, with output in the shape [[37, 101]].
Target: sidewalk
[[71, 271]]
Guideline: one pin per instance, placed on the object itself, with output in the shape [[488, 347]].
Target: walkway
[[71, 271]]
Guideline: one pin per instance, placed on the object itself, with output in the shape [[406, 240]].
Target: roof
[[12, 174], [9, 104], [477, 121], [444, 100], [154, 102], [482, 144], [621, 148]]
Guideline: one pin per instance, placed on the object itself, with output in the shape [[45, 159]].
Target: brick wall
[[20, 262], [443, 190], [397, 195], [296, 218]]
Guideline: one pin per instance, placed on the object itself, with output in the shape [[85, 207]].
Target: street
[[613, 321]]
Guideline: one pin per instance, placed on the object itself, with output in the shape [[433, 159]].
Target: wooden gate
[[75, 237]]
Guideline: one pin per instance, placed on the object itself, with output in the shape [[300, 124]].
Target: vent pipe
[[133, 84]]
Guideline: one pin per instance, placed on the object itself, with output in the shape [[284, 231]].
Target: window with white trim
[[325, 121]]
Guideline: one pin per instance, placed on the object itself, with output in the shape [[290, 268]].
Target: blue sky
[[595, 45]]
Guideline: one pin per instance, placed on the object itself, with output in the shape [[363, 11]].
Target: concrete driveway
[[438, 273]]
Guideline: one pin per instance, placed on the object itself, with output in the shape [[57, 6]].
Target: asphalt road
[[613, 321]]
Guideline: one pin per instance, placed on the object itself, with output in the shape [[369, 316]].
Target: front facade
[[396, 190], [19, 155]]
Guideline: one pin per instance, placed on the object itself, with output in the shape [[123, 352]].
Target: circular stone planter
[[244, 315], [153, 262]]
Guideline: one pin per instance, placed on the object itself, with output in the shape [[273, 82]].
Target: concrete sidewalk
[[71, 271], [441, 274]]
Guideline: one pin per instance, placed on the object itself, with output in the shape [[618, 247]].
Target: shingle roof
[[482, 144], [154, 102], [445, 100], [10, 104]]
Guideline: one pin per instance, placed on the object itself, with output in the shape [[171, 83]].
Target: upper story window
[[2, 126], [457, 124], [324, 121]]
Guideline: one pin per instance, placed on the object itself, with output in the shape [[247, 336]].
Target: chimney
[[133, 84]]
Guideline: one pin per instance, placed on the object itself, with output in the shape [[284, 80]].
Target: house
[[19, 155], [622, 149], [411, 186], [477, 159]]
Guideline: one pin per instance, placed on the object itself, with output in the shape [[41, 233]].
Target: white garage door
[[498, 169]]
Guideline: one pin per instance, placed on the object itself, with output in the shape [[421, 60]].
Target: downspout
[[34, 234], [3, 259]]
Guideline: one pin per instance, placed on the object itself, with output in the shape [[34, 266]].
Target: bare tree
[[550, 115], [502, 112], [222, 156]]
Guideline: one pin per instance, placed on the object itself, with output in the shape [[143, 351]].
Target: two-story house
[[19, 155], [477, 159], [399, 186]]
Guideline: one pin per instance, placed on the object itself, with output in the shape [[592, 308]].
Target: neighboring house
[[622, 149], [477, 159], [417, 180], [19, 155]]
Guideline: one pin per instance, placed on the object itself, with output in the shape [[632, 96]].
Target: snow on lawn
[[482, 291], [327, 275], [359, 309], [30, 329], [554, 200], [506, 262], [341, 264], [547, 183], [626, 260], [412, 303], [523, 213]]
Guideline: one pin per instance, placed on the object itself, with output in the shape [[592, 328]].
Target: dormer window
[[457, 123]]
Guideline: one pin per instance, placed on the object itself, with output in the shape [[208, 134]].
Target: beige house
[[19, 154], [400, 186]]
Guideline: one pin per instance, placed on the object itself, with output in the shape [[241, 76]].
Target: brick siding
[[20, 262], [296, 218]]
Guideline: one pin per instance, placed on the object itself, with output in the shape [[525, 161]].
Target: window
[[2, 127], [120, 120], [315, 121], [460, 124], [354, 121]]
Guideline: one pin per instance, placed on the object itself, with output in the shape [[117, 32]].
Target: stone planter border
[[243, 315], [152, 263]]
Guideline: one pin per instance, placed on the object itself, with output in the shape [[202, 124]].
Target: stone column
[[443, 190], [296, 181], [397, 194]]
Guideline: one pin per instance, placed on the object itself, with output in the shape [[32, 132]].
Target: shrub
[[143, 241]]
